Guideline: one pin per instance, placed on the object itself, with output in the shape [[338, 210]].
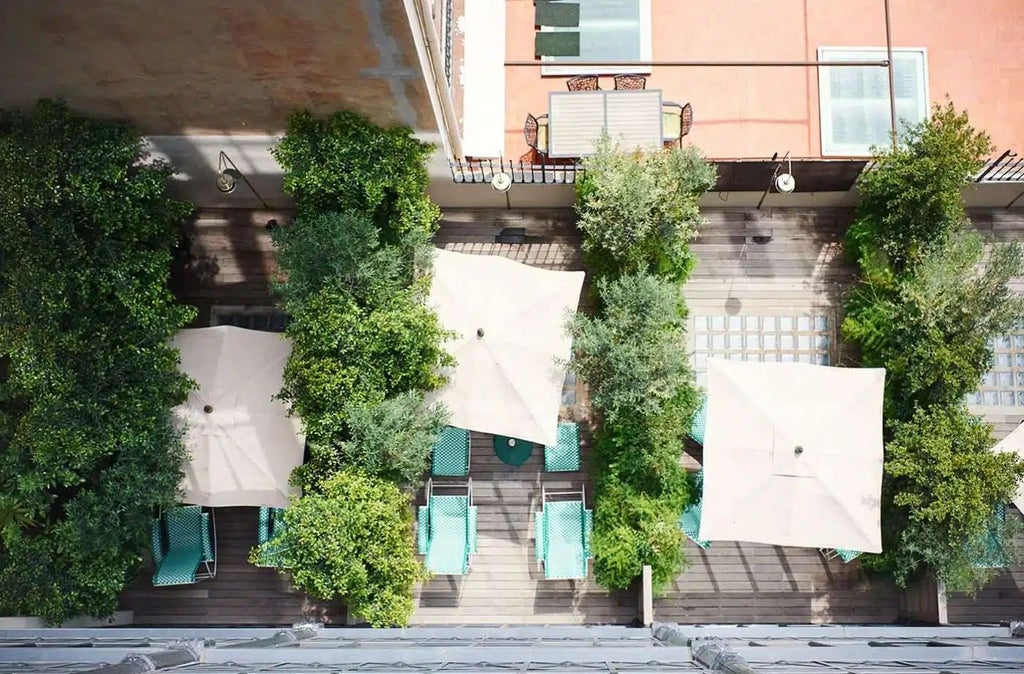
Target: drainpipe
[[424, 26], [892, 82]]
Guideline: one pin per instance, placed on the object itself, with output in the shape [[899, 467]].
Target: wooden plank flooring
[[241, 594], [800, 270]]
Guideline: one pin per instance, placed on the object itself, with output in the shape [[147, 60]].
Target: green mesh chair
[[271, 524], [846, 556], [182, 545], [699, 422], [563, 530], [689, 521], [565, 454], [446, 529], [993, 557], [451, 453]]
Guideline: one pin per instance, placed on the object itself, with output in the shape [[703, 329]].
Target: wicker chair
[[676, 122], [583, 83], [535, 131], [630, 82]]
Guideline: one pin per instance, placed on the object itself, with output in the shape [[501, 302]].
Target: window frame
[[646, 54], [831, 149]]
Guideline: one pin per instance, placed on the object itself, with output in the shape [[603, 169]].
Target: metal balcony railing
[[484, 170]]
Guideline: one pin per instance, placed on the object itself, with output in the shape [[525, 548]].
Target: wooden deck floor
[[799, 272]]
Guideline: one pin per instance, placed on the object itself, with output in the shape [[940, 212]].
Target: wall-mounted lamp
[[783, 182], [502, 182], [228, 177]]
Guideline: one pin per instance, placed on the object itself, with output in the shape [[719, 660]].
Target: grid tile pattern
[[1003, 384], [763, 338]]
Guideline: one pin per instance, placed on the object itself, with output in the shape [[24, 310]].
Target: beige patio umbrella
[[242, 444], [511, 342], [793, 455], [1014, 442]]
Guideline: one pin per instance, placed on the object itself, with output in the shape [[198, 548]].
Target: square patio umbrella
[[241, 442], [1014, 442], [793, 455], [511, 342]]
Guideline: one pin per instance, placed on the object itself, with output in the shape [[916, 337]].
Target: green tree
[[352, 542], [345, 162], [639, 212], [941, 485], [88, 450]]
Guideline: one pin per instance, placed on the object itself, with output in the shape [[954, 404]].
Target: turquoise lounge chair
[[271, 524], [565, 455], [689, 521], [182, 546], [451, 453], [563, 530], [446, 529], [993, 557], [846, 556], [699, 422]]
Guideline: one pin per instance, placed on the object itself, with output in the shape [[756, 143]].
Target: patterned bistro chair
[[583, 83], [451, 453], [630, 82], [846, 556], [689, 521], [535, 130], [565, 454], [699, 422], [446, 529], [271, 524], [563, 530], [676, 121], [183, 549]]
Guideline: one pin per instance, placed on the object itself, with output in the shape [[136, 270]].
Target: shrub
[[352, 542], [639, 212], [926, 307], [632, 529], [912, 199], [631, 353], [87, 379], [345, 162], [942, 483], [390, 440], [344, 354]]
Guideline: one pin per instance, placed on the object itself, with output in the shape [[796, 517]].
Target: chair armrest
[[207, 546], [588, 532], [540, 549], [156, 542], [422, 529], [472, 529]]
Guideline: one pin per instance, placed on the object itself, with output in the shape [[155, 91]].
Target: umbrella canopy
[[242, 444], [510, 323], [793, 455], [1014, 442]]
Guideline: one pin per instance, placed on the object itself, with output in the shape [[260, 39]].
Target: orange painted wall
[[975, 52]]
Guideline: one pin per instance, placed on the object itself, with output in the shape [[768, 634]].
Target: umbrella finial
[[798, 450], [479, 333], [208, 409]]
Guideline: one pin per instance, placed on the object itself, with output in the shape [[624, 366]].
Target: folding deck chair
[[451, 453], [563, 530], [271, 525], [446, 528], [184, 550], [565, 454], [689, 521]]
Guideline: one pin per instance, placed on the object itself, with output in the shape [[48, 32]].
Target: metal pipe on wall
[[892, 82], [702, 64]]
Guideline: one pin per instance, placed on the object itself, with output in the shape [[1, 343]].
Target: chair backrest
[[449, 518], [530, 130], [699, 421], [185, 529], [583, 83], [630, 82], [686, 122], [563, 525]]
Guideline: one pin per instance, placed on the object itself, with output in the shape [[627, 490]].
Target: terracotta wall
[[975, 54]]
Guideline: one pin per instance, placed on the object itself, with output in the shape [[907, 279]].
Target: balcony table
[[576, 118]]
